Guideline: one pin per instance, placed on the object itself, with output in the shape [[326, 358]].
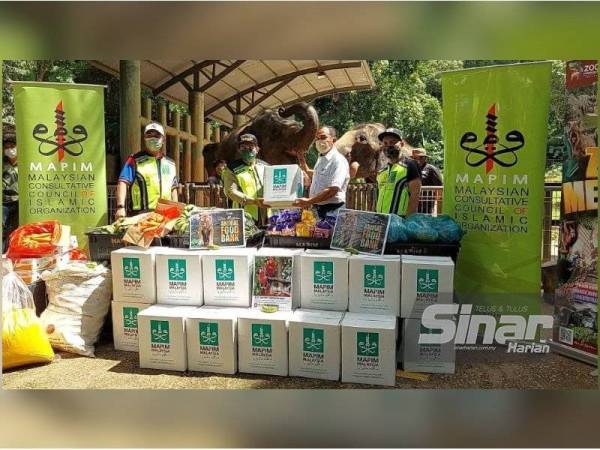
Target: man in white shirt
[[329, 177]]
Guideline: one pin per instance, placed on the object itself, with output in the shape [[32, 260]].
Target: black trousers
[[323, 210]]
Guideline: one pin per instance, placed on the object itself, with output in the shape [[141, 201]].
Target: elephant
[[282, 140], [361, 144]]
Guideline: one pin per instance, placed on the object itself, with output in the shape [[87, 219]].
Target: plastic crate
[[183, 240], [296, 242], [423, 249], [102, 244]]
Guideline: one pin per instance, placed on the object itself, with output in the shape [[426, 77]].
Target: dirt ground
[[475, 370]]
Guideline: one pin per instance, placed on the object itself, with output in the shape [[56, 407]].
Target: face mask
[[322, 147], [391, 151], [11, 152], [248, 155], [154, 144]]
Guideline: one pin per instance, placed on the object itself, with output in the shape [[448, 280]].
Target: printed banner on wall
[[576, 305], [495, 131], [62, 169]]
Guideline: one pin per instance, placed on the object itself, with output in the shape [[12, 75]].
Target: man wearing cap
[[399, 183], [147, 176], [243, 179], [10, 184], [329, 177], [430, 175]]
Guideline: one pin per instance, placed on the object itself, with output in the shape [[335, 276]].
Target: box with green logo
[[227, 276], [263, 342], [426, 280], [179, 277], [374, 284], [125, 325], [324, 275], [283, 185], [161, 333], [315, 344], [425, 357], [211, 334], [369, 349], [133, 274]]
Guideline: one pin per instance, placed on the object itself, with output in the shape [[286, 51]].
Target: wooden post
[[207, 133], [196, 107], [175, 141], [162, 115], [218, 134], [130, 108], [187, 153], [147, 108], [238, 121]]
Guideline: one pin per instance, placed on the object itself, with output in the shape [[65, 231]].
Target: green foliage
[[408, 95]]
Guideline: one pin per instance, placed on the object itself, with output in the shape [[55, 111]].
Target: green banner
[[62, 168], [495, 130]]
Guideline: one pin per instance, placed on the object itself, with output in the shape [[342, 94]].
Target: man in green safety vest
[[243, 179], [147, 176], [399, 183]]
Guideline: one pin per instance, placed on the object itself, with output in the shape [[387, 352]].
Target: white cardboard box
[[212, 339], [283, 288], [263, 342], [178, 277], [283, 185], [133, 275], [425, 281], [228, 277], [324, 280], [369, 349], [125, 325], [315, 344], [162, 341], [374, 284], [428, 358]]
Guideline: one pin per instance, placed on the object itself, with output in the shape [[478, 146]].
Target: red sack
[[78, 255], [34, 240]]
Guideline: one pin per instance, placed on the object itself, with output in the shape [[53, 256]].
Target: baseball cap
[[390, 132], [154, 126], [247, 137], [419, 152]]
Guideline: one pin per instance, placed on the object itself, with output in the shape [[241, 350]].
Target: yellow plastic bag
[[24, 340]]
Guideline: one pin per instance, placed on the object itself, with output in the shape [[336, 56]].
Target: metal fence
[[363, 196]]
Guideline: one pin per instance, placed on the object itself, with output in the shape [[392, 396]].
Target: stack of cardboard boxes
[[337, 314]]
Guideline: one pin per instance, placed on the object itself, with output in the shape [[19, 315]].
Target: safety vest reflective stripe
[[393, 190], [154, 180], [250, 184]]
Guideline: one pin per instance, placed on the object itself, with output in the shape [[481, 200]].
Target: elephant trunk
[[304, 137]]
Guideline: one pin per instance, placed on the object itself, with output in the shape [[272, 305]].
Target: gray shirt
[[331, 169]]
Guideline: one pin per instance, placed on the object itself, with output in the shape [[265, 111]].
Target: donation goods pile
[[318, 313]]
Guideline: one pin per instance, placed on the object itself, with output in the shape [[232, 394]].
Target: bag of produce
[[78, 301], [449, 231], [24, 339], [34, 240], [397, 230], [419, 228]]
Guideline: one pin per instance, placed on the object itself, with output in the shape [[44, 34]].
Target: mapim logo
[[60, 141], [491, 150], [516, 331]]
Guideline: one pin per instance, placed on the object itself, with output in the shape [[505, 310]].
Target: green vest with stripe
[[154, 179], [250, 182], [393, 189]]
